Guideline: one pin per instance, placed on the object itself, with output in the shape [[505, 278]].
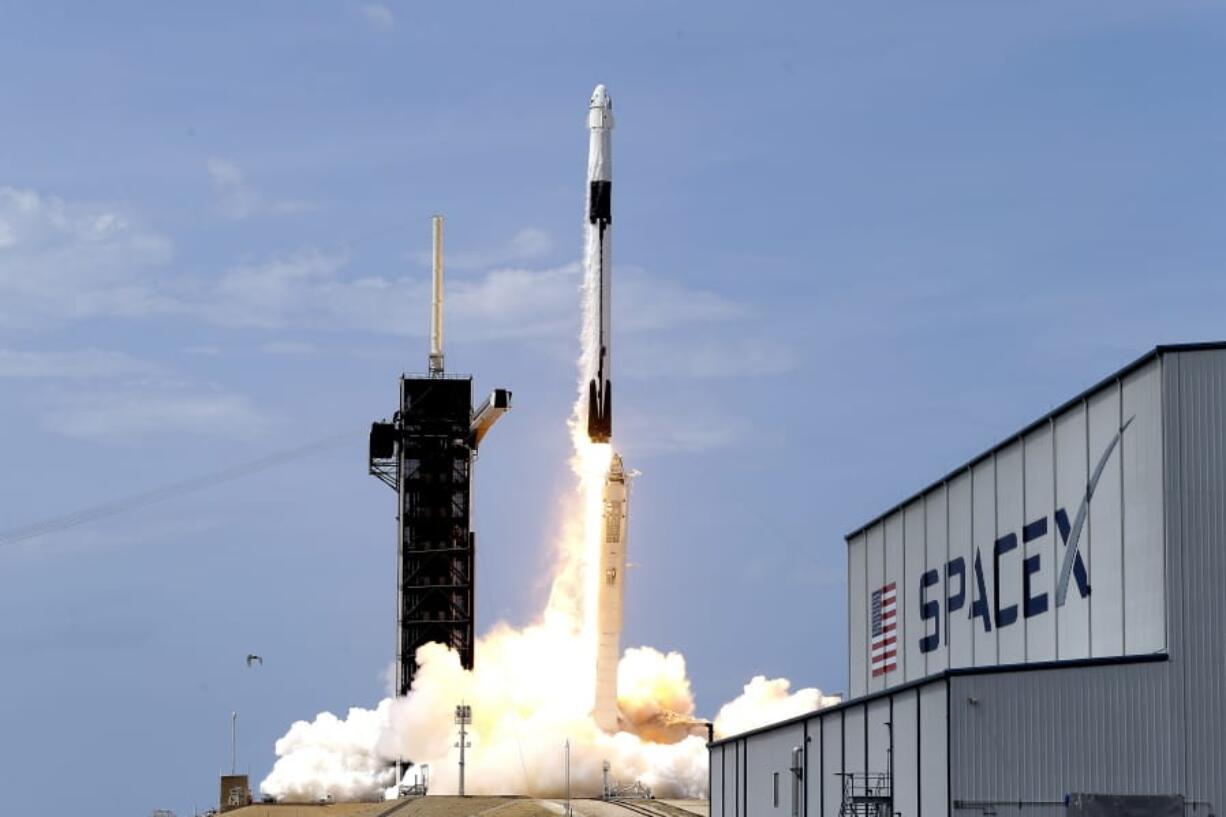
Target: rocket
[[614, 494], [610, 595], [600, 252]]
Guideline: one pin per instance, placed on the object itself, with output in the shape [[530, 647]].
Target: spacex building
[[1040, 632]]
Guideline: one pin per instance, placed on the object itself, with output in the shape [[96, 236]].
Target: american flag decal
[[884, 646]]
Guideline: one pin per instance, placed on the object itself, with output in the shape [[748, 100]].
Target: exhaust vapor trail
[[191, 485]]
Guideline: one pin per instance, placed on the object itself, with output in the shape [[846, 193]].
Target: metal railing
[[867, 794]]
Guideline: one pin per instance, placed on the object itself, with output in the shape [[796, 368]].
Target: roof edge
[[945, 675]]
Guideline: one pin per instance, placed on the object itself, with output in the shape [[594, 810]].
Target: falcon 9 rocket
[[614, 493], [600, 253]]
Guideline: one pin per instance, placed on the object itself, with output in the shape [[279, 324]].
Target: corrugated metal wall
[[1036, 736], [904, 765], [934, 754], [726, 780], [824, 794], [1195, 392], [1156, 728], [850, 738], [770, 754]]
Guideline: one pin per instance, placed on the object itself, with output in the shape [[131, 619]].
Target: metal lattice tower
[[435, 564], [426, 455]]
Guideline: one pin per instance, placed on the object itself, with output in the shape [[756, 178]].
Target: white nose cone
[[600, 109]]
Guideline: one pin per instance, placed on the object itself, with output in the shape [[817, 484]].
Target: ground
[[446, 806]]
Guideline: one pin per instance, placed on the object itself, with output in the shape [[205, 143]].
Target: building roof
[[1153, 354], [954, 672]]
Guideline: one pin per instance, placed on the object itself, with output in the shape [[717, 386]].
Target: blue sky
[[856, 244]]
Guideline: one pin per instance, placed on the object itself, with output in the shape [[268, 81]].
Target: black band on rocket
[[600, 202]]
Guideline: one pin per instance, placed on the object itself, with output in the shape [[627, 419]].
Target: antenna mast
[[436, 302]]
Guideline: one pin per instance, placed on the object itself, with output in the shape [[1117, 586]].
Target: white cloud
[[379, 16], [237, 199], [308, 290], [139, 411], [515, 302], [529, 244], [643, 301], [81, 364], [273, 293], [62, 262]]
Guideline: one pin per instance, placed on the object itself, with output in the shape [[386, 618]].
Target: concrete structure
[[1044, 622], [235, 792]]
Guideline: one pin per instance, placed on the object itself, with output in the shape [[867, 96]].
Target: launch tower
[[426, 454]]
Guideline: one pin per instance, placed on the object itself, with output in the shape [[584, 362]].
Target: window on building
[[776, 788]]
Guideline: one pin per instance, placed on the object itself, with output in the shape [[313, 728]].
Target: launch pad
[[425, 454]]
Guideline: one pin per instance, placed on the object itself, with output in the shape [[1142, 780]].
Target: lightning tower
[[425, 453]]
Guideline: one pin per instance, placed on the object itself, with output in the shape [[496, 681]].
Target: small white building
[[1040, 632]]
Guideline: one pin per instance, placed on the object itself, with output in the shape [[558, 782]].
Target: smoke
[[532, 688], [529, 695], [768, 701], [330, 757]]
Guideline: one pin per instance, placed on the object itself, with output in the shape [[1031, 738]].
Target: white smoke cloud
[[332, 757], [530, 693], [767, 701]]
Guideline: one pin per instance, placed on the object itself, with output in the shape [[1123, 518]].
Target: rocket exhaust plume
[[533, 688]]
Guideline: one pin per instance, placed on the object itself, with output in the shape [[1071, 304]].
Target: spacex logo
[[990, 611]]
